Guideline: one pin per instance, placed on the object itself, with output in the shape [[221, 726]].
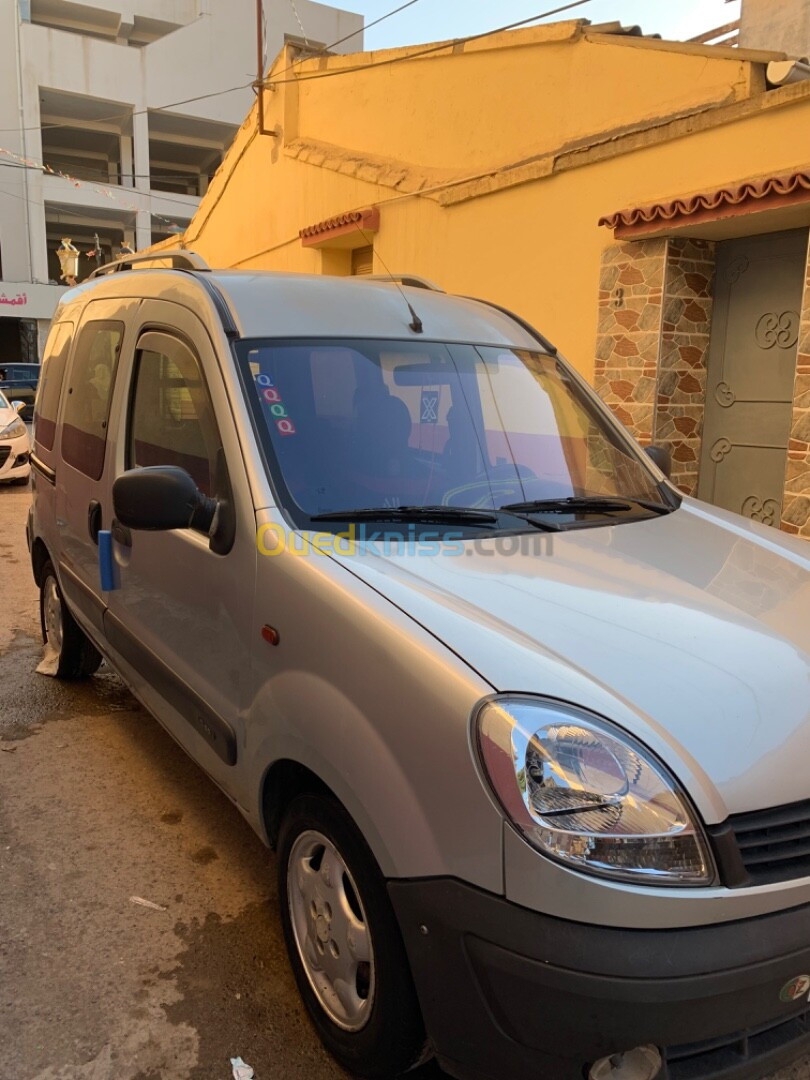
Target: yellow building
[[589, 178]]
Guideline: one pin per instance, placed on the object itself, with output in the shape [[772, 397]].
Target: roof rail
[[180, 260], [411, 280], [527, 326]]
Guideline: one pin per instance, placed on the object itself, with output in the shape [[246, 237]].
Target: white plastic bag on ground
[[241, 1071], [49, 662]]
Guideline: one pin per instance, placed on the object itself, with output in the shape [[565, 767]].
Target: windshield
[[371, 424], [3, 403]]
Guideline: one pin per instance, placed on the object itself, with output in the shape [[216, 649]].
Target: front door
[[752, 368], [180, 621]]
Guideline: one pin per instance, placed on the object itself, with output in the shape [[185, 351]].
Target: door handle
[[94, 520], [121, 534]]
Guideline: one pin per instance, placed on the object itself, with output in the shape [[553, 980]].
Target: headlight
[[12, 430], [587, 794]]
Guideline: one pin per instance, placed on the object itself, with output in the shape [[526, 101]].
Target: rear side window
[[171, 414], [57, 348], [87, 403]]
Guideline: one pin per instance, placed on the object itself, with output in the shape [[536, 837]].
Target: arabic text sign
[[29, 300], [21, 299]]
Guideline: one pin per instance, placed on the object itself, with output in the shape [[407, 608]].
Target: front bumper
[[15, 458], [510, 992]]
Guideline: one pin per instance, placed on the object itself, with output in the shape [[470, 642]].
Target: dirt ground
[[98, 805]]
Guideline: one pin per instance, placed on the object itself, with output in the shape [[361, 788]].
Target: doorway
[[751, 373], [18, 341]]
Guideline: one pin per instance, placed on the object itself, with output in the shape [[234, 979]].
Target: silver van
[[528, 730]]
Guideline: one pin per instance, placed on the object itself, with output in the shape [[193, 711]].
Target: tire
[[375, 1030], [78, 656]]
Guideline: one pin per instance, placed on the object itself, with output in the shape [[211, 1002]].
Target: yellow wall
[[494, 103], [534, 247]]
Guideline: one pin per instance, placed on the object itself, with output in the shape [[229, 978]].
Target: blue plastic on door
[[105, 561]]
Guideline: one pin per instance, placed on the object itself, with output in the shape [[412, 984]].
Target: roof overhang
[[349, 230], [715, 213]]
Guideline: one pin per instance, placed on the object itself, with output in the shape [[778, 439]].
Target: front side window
[[353, 425], [87, 403], [171, 414]]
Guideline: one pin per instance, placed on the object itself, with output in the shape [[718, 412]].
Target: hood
[[690, 630], [7, 415]]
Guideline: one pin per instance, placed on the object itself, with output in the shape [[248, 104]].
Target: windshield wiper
[[591, 504], [451, 514]]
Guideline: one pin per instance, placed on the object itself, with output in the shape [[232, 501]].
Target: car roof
[[264, 304]]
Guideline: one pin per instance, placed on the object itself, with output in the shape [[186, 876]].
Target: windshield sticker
[[429, 411], [274, 405]]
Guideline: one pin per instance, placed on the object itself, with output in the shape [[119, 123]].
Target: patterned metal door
[[752, 367]]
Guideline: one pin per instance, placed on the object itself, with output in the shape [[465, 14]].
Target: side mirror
[[18, 406], [161, 497], [661, 456]]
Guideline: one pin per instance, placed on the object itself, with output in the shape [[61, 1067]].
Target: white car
[[15, 445]]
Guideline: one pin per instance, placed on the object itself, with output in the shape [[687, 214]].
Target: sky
[[435, 20]]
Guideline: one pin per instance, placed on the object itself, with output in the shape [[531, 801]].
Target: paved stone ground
[[97, 805]]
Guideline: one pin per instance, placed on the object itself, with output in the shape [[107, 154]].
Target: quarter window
[[87, 404], [50, 383], [171, 414]]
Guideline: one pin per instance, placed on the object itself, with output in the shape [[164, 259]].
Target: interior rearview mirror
[[661, 456], [161, 497]]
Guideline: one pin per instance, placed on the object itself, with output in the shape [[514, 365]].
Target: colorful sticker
[[429, 410], [274, 405], [795, 989]]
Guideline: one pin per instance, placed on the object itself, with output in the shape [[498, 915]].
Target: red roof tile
[[752, 195], [368, 220]]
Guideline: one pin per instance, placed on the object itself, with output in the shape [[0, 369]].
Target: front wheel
[[78, 656], [344, 943]]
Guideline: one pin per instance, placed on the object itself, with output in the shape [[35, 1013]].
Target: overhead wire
[[199, 97], [100, 180], [151, 194], [452, 43], [347, 37], [83, 123], [368, 26], [300, 24], [401, 196], [275, 80], [85, 212], [433, 189]]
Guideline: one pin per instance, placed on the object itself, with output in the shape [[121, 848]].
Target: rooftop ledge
[[733, 200], [569, 31]]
